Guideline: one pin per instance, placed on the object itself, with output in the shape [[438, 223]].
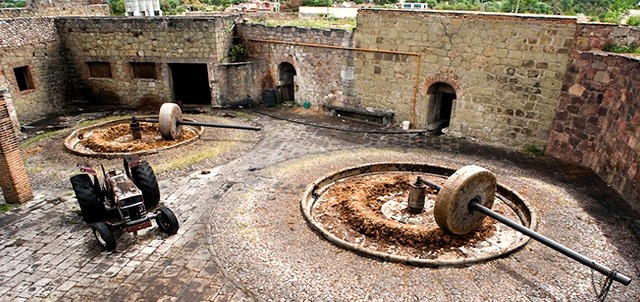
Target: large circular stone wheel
[[168, 121], [469, 183]]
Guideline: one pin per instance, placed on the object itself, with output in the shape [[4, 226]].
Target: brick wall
[[507, 70], [13, 175], [31, 46], [598, 120], [323, 75], [120, 41]]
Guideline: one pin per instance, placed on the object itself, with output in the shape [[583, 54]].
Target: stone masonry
[[32, 44], [507, 70], [595, 36], [120, 41], [13, 175], [323, 75], [598, 119], [41, 8]]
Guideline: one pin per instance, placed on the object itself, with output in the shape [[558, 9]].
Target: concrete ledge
[[373, 116]]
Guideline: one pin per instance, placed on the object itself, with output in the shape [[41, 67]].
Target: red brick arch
[[450, 79]]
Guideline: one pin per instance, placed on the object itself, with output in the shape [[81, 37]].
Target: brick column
[[13, 175]]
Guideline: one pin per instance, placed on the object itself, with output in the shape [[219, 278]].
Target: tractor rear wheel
[[145, 179], [90, 205]]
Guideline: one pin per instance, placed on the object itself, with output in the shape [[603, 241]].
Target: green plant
[[38, 138], [616, 48], [534, 150], [236, 53], [6, 207], [634, 21]]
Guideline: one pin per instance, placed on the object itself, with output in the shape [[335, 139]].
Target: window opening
[[99, 69], [23, 78], [143, 70]]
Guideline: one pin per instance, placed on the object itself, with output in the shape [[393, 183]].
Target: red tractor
[[122, 200]]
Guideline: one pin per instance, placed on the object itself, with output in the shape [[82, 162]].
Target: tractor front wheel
[[167, 221], [104, 236]]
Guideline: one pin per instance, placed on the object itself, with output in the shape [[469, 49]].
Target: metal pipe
[[476, 206], [414, 118], [189, 123], [335, 47], [219, 125]]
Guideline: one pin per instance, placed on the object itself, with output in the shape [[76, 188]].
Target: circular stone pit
[[114, 139], [364, 209]]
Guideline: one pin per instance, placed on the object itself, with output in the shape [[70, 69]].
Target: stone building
[[512, 80]]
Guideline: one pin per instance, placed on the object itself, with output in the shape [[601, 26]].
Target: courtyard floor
[[243, 237]]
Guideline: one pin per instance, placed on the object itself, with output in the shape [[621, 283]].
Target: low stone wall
[[80, 10], [324, 71], [595, 36], [30, 47], [239, 83], [598, 119]]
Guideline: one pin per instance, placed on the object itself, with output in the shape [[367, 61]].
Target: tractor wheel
[[146, 181], [167, 221], [92, 209], [104, 236]]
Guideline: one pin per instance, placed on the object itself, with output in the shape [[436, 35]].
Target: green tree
[[317, 2], [117, 7]]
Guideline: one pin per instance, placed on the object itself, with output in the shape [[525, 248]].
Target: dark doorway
[[190, 83], [286, 83], [440, 106]]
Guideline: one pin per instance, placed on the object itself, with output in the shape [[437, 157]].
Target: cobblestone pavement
[[243, 238]]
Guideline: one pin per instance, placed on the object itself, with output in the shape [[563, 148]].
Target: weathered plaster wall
[[323, 75], [506, 69], [598, 119], [239, 82], [166, 40], [32, 42]]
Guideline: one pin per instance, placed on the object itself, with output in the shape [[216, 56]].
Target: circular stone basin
[[364, 209], [114, 139]]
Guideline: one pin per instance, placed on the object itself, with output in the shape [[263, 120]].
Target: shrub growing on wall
[[236, 53]]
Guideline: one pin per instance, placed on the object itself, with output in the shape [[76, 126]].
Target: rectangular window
[[99, 69], [23, 78], [143, 70]]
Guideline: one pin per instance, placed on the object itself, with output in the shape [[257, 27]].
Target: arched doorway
[[439, 105], [286, 82]]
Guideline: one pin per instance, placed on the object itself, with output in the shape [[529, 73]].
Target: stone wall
[[595, 36], [598, 119], [58, 8], [506, 70], [121, 41], [239, 82], [31, 46], [323, 74]]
